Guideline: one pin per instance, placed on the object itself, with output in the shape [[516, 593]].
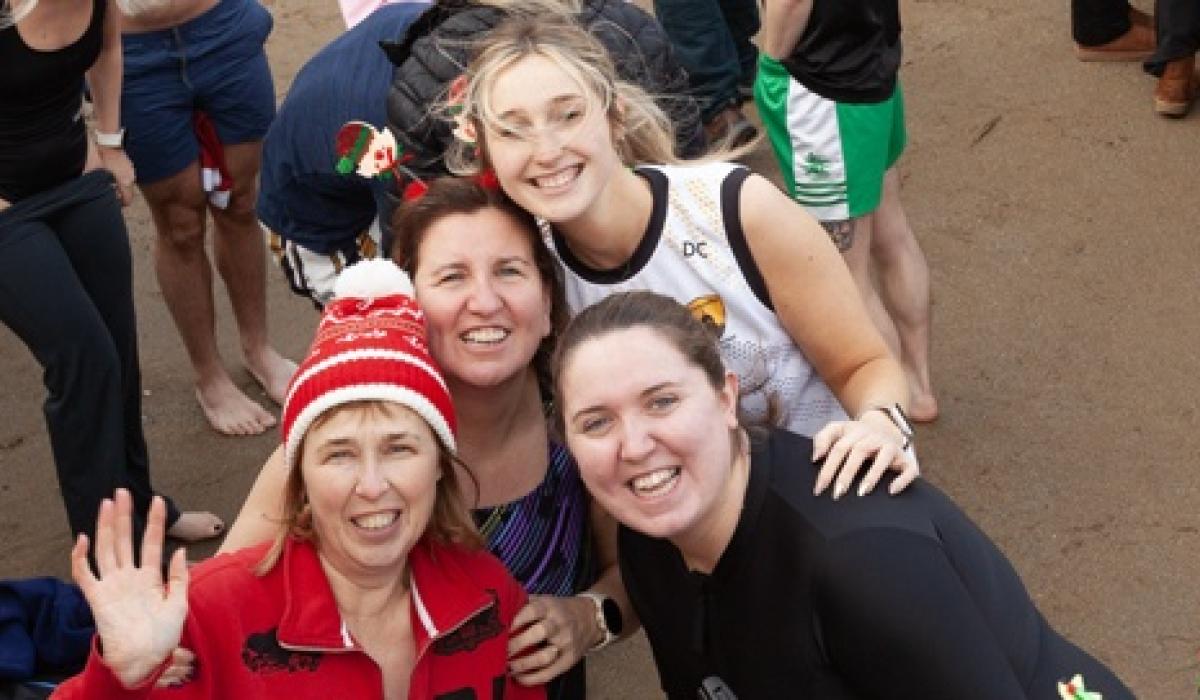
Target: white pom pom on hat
[[372, 279], [370, 346]]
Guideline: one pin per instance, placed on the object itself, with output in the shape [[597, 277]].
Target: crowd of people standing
[[474, 491]]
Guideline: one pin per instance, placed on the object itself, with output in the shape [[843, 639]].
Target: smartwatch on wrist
[[608, 617], [110, 140]]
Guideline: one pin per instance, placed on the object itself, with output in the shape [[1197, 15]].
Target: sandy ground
[[1059, 216]]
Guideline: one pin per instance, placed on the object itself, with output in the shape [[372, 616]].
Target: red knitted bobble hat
[[370, 346]]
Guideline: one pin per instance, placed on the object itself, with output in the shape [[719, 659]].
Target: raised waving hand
[[139, 617]]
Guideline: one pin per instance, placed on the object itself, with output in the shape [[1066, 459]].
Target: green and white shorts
[[833, 154]]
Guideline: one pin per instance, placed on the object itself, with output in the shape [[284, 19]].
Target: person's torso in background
[[42, 138]]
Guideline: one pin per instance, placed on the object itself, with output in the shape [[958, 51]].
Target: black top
[[878, 597], [850, 50], [42, 138]]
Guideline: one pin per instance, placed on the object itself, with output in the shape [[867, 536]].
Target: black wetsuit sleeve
[[896, 621]]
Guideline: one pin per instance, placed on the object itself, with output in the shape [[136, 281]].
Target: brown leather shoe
[[1134, 45], [1177, 87], [730, 128]]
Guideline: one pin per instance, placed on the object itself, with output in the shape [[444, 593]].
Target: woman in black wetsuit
[[748, 585], [65, 275]]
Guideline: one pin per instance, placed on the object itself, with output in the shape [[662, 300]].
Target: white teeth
[[485, 335], [376, 521], [653, 481], [558, 179]]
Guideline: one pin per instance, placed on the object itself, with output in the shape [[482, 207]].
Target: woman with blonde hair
[[594, 157], [374, 585], [438, 46]]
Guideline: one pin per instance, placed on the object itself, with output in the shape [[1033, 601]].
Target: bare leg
[[177, 204], [904, 284], [240, 248], [858, 259]]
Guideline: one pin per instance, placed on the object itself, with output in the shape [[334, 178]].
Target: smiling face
[[549, 139], [486, 307], [653, 438], [370, 474]]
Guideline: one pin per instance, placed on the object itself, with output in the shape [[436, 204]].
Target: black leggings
[[66, 290]]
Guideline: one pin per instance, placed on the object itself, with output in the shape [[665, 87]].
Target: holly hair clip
[[456, 94]]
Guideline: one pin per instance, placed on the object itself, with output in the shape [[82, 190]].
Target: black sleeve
[[435, 51], [897, 622]]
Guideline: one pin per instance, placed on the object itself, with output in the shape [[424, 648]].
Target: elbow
[[873, 379]]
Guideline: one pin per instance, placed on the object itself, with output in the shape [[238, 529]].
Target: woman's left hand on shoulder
[[117, 162], [846, 446], [549, 636]]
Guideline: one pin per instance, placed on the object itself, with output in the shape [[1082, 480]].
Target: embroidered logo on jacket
[[262, 654], [473, 632]]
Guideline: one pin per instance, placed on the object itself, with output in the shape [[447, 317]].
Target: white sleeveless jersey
[[694, 250]]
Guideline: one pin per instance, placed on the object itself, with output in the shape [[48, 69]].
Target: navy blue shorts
[[214, 63]]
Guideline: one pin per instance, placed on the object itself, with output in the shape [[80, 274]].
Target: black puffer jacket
[[437, 48]]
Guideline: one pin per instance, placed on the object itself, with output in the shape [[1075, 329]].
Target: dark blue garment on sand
[[46, 628]]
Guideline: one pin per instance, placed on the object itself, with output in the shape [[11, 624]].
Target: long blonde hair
[[642, 133], [13, 11]]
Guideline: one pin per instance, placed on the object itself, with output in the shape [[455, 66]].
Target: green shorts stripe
[[832, 154]]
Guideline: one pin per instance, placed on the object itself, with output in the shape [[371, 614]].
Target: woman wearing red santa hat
[[375, 585]]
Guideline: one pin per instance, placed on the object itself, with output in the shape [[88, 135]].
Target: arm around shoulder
[[609, 582], [817, 301]]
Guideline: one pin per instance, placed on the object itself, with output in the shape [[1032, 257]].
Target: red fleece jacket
[[280, 635]]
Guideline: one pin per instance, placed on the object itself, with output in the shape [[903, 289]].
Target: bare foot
[[229, 411], [923, 408], [194, 526], [273, 372]]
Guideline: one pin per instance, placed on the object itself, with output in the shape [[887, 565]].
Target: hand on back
[[845, 447]]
